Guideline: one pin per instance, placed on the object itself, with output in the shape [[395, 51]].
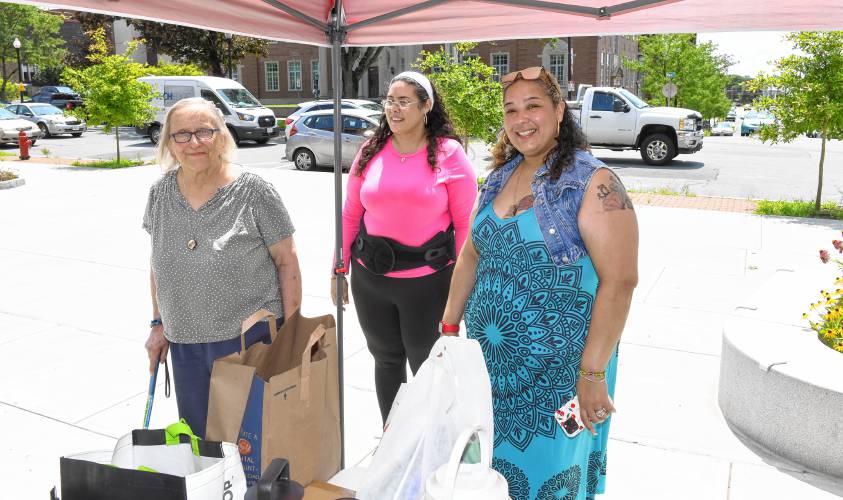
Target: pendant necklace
[[191, 242], [403, 156]]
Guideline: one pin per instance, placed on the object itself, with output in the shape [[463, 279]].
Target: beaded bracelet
[[593, 376]]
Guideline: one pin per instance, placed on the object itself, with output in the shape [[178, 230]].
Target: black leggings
[[399, 317]]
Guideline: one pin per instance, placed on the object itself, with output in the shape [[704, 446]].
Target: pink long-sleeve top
[[400, 197]]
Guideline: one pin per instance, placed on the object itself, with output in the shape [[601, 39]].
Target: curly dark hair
[[568, 141], [438, 127]]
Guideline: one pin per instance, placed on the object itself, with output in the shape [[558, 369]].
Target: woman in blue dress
[[545, 283]]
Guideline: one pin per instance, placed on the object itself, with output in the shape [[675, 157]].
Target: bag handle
[[252, 320], [304, 386], [180, 428], [450, 482]]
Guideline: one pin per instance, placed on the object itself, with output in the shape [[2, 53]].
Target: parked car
[[11, 125], [58, 96], [753, 121], [723, 128], [730, 116], [245, 117], [616, 119], [311, 141], [309, 106], [50, 119]]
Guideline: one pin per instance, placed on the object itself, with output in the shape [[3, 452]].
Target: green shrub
[[123, 163], [799, 208]]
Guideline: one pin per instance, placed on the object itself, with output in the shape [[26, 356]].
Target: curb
[[12, 183], [780, 392]]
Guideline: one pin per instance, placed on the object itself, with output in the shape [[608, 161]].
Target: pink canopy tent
[[401, 22], [404, 22]]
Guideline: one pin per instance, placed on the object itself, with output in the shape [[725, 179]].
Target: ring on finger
[[601, 413]]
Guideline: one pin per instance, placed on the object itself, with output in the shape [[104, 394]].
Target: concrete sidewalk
[[74, 305]]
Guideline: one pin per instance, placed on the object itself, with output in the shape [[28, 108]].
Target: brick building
[[289, 72]]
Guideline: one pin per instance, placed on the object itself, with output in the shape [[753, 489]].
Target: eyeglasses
[[401, 103], [202, 134], [534, 73]]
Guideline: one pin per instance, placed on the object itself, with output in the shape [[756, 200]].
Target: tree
[[79, 46], [173, 70], [110, 89], [206, 49], [469, 93], [698, 72], [38, 31], [807, 93], [355, 63]]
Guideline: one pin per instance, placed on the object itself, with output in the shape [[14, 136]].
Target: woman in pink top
[[410, 193]]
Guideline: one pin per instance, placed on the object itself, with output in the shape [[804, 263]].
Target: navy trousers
[[192, 364]]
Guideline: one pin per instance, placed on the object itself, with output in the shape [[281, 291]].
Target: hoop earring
[[425, 118]]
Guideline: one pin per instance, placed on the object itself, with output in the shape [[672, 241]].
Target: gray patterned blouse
[[212, 266]]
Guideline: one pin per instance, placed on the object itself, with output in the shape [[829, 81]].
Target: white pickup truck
[[615, 118]]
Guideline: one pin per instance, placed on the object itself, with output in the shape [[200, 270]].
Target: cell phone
[[568, 417]]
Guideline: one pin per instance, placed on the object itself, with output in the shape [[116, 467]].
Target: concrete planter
[[781, 392], [12, 183]]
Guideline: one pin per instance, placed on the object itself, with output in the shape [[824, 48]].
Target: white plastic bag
[[450, 393]]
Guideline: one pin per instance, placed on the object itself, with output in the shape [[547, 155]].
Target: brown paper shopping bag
[[281, 400]]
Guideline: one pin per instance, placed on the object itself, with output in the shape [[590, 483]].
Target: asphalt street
[[735, 167]]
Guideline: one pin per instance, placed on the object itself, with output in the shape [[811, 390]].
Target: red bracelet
[[446, 328]]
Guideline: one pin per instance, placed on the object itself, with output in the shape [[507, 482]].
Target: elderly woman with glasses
[[410, 192], [545, 283], [222, 249]]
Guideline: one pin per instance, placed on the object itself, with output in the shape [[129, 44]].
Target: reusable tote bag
[[281, 400], [165, 464]]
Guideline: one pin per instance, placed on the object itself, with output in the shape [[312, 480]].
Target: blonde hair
[[223, 142]]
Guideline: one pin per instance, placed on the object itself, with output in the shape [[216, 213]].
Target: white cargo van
[[245, 117]]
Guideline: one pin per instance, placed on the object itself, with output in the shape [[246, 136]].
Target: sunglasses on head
[[534, 73]]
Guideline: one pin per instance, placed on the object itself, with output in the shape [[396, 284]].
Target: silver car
[[50, 119], [310, 106], [311, 141], [11, 125]]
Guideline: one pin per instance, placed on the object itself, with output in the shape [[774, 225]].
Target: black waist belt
[[382, 255]]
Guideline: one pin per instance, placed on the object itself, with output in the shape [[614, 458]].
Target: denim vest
[[556, 203]]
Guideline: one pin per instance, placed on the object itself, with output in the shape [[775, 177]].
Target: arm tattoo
[[614, 196]]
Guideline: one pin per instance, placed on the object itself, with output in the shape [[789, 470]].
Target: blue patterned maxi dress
[[531, 318]]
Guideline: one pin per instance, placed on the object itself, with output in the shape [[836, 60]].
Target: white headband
[[420, 79]]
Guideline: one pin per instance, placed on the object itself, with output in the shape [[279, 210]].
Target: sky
[[751, 50]]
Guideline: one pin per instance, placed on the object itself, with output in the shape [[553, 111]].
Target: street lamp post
[[229, 38], [16, 45]]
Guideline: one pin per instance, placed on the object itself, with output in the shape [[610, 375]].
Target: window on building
[[557, 68], [271, 73], [29, 72], [500, 63], [293, 75], [461, 57], [314, 74]]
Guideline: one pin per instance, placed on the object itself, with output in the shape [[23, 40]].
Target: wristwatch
[[446, 328], [156, 322]]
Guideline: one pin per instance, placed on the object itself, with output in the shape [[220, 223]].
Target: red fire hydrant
[[23, 143]]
